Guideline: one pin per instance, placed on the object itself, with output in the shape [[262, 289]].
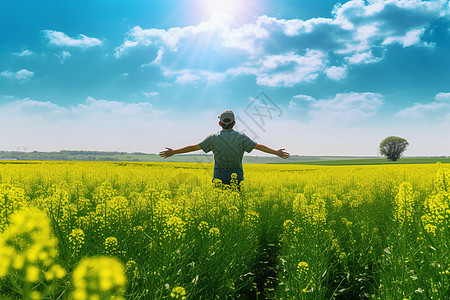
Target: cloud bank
[[440, 108], [97, 124], [287, 52], [23, 75], [61, 39]]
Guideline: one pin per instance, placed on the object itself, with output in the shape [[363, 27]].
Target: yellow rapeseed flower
[[288, 227], [32, 274], [203, 227], [214, 233], [404, 204], [132, 269], [178, 292], [437, 212], [98, 277], [27, 243], [302, 269], [76, 240], [111, 245]]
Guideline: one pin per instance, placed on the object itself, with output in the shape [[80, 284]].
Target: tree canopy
[[393, 147]]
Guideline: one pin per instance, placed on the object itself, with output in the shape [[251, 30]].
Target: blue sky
[[314, 77]]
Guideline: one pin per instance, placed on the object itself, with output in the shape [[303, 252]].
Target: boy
[[228, 147]]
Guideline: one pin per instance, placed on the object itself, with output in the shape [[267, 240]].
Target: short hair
[[227, 126]]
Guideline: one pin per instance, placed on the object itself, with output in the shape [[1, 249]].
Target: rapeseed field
[[114, 230]]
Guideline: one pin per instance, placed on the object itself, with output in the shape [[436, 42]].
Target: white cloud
[[23, 75], [114, 109], [24, 53], [348, 108], [296, 69], [444, 97], [187, 78], [91, 108], [124, 75], [156, 61], [96, 124], [362, 58], [304, 68], [336, 73], [150, 94], [61, 39], [292, 105], [409, 39], [439, 107], [172, 37], [63, 55], [306, 98], [28, 107], [248, 36], [375, 21], [418, 109]]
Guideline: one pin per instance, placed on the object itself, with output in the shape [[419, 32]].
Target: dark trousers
[[225, 175]]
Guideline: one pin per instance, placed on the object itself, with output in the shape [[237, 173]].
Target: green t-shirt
[[228, 147]]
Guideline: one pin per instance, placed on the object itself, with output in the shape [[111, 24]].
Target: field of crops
[[97, 230]]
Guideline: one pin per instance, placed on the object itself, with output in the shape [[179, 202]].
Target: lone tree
[[393, 147]]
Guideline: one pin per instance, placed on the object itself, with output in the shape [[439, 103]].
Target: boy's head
[[227, 119]]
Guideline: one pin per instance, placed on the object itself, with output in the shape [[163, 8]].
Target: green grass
[[378, 161]]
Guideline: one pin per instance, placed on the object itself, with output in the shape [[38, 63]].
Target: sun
[[221, 6], [238, 9]]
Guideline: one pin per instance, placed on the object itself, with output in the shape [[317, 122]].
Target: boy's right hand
[[166, 153]]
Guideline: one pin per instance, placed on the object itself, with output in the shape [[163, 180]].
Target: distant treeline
[[84, 155], [70, 155], [82, 152]]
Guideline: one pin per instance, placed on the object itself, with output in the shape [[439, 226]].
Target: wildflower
[[314, 213], [214, 233], [251, 218], [203, 227], [76, 240], [442, 178], [27, 243], [178, 292], [55, 272], [138, 229], [11, 199], [6, 254], [300, 203], [32, 274], [217, 183], [317, 212], [233, 212], [98, 277], [437, 211], [132, 270], [346, 222], [111, 245], [35, 295], [288, 226], [175, 227], [302, 269], [404, 204], [104, 193], [18, 261]]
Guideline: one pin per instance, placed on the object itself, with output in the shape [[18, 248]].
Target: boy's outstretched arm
[[280, 152], [169, 152]]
